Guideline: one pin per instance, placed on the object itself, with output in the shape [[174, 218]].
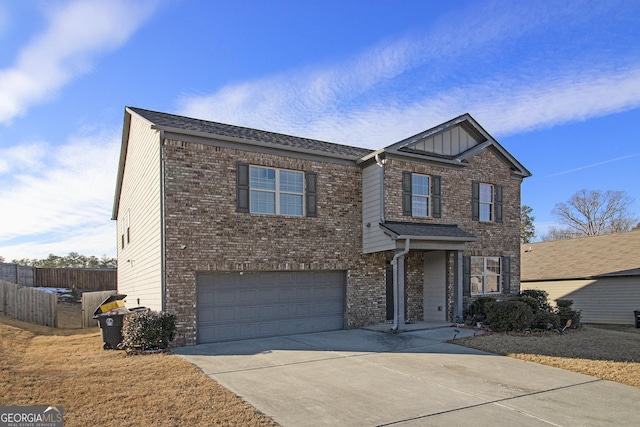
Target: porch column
[[457, 285], [398, 271]]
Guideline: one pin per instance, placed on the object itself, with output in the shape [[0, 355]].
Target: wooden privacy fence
[[90, 302], [18, 274], [28, 304], [87, 279]]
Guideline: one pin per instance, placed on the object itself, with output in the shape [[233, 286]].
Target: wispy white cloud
[[67, 198], [403, 86], [592, 165], [77, 32]]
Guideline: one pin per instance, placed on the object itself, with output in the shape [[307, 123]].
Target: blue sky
[[557, 83]]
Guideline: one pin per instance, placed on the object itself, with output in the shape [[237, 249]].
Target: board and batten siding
[[140, 261], [373, 238], [448, 143], [610, 300]]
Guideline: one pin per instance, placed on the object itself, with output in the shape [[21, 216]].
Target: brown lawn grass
[[68, 367], [607, 352]]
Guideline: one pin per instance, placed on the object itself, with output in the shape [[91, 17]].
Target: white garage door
[[234, 306]]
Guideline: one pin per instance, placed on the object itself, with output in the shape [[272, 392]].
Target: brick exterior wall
[[200, 206], [494, 239], [200, 212]]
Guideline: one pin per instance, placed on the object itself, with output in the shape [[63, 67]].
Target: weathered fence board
[[28, 304], [18, 274], [90, 302], [87, 279]]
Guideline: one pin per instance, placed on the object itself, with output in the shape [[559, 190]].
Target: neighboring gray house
[[601, 274], [244, 233]]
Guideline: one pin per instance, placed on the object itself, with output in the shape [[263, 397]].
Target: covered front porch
[[424, 278]]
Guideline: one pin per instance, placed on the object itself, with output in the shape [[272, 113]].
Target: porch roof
[[433, 232]]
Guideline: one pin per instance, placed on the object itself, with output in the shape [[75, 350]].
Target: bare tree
[[593, 212]]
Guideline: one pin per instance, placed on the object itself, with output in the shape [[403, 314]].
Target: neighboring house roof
[[180, 124], [615, 254], [426, 231], [453, 142]]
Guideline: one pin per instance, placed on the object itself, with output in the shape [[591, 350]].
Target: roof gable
[[454, 142], [583, 257]]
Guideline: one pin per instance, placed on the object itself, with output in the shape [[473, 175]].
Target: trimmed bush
[[531, 302], [566, 312], [479, 306], [148, 331], [542, 297], [509, 315], [545, 320]]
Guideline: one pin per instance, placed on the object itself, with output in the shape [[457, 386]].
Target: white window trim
[[277, 192], [486, 273], [422, 196], [481, 203]]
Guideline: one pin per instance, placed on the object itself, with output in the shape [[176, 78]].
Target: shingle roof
[[612, 254], [436, 231], [174, 122]]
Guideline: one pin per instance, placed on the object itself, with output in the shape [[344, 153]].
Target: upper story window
[[486, 202], [486, 275], [276, 191], [419, 195]]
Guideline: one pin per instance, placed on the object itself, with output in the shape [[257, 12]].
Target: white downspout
[[396, 285], [381, 164]]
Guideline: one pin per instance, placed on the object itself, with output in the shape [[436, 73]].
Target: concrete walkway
[[369, 378]]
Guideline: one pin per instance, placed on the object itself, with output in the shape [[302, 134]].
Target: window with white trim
[[486, 275], [276, 191], [420, 195], [486, 202]]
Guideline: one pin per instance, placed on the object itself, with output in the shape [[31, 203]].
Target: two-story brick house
[[244, 233]]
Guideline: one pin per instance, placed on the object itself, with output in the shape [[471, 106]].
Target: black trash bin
[[637, 314], [110, 315]]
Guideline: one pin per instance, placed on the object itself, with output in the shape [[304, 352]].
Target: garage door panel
[[232, 306]]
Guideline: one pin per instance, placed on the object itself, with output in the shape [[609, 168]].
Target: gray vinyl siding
[[609, 300], [139, 262], [373, 238], [448, 143]]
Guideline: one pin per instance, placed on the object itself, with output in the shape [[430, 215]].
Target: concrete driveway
[[367, 378]]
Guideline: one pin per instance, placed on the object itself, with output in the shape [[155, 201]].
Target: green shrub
[[509, 315], [149, 330], [539, 295], [545, 320], [531, 302], [479, 306], [566, 312]]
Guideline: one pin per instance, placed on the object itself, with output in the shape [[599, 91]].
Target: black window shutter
[[498, 203], [475, 201], [242, 187], [435, 197], [506, 275], [312, 194], [466, 276], [406, 194]]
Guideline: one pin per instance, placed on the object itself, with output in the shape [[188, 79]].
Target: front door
[[435, 286]]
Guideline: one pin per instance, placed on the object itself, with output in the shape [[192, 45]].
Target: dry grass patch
[[610, 353], [47, 366]]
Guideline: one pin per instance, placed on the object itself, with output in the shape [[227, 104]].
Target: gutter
[[396, 286]]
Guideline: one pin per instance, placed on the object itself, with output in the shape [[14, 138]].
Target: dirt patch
[[607, 352], [57, 366]]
